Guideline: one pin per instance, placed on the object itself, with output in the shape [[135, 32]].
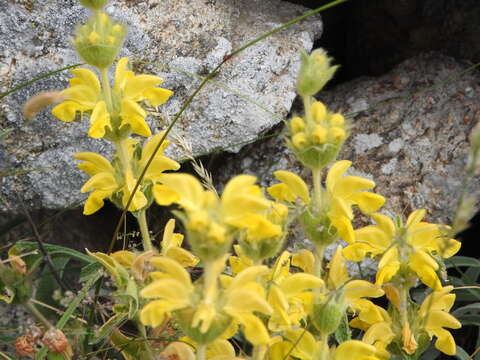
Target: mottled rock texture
[[191, 36], [412, 141]]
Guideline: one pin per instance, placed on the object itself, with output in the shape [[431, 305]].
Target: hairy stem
[[142, 223]]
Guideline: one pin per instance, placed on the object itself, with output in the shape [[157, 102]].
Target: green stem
[[317, 188], [107, 91], [142, 223], [324, 352], [143, 332], [319, 253], [201, 352], [307, 103], [37, 314]]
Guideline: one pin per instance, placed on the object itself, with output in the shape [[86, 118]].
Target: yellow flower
[[415, 245], [108, 182], [210, 220], [289, 294], [435, 317], [172, 246], [206, 311], [341, 193], [86, 94], [300, 344]]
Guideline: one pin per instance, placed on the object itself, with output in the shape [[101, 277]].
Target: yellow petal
[[157, 96], [357, 289], [254, 330], [99, 119], [295, 183], [170, 290], [367, 202], [281, 192], [344, 228], [164, 195], [154, 313], [336, 172], [85, 77], [337, 274], [415, 217], [101, 181], [348, 185], [379, 331], [439, 319], [220, 348], [361, 351], [299, 282], [135, 86], [122, 74], [134, 115], [375, 237], [305, 260], [94, 163], [95, 201], [445, 342], [67, 110], [384, 223], [258, 226], [182, 256], [173, 268], [357, 251], [124, 257], [82, 94], [188, 188], [248, 275], [246, 300]]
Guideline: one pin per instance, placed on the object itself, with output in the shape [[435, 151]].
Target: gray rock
[[413, 144], [193, 36]]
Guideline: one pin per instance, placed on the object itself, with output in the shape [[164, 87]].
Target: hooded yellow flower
[[416, 245], [86, 94], [107, 182], [289, 294], [435, 317], [204, 311], [211, 220], [300, 344], [341, 193]]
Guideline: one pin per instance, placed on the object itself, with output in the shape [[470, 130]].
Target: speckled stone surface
[[413, 146], [193, 36]]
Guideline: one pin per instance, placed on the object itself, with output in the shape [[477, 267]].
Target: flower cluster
[[286, 304]]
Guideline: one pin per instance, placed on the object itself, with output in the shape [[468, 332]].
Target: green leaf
[[88, 271], [457, 261], [108, 327], [132, 293], [343, 332], [26, 246], [466, 309], [462, 354]]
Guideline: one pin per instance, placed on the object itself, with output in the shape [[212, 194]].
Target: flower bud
[[327, 317], [315, 72], [321, 137], [94, 4], [99, 40], [297, 124]]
